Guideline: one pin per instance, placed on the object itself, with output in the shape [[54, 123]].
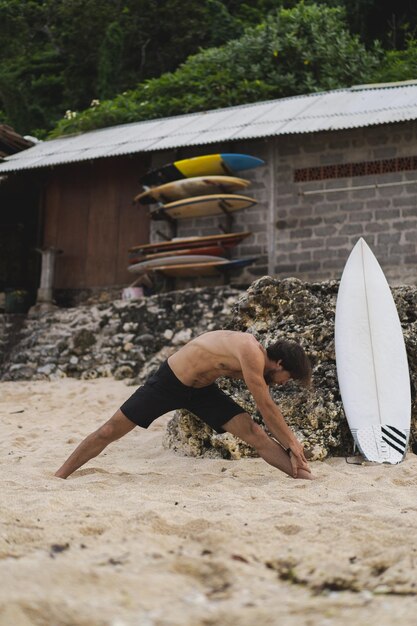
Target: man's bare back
[[212, 355]]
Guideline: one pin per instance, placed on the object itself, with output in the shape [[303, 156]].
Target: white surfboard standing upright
[[371, 360]]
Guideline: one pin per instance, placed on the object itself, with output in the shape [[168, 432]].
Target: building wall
[[310, 236], [90, 216], [317, 232]]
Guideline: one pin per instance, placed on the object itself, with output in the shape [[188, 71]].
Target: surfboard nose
[[382, 443]]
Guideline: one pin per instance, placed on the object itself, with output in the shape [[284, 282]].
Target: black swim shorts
[[164, 392]]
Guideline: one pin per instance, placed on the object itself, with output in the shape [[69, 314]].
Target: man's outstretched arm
[[252, 364], [91, 446], [276, 424]]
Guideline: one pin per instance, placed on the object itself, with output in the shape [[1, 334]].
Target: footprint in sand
[[214, 577], [404, 482], [19, 442], [91, 470], [92, 531], [161, 526], [14, 614], [289, 529]]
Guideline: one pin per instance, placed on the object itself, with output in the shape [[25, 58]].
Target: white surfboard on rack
[[371, 360]]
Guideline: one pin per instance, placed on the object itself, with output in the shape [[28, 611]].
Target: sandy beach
[[143, 537]]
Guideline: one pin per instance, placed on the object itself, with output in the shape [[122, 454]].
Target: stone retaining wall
[[119, 338]]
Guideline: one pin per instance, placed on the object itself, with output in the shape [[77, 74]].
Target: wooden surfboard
[[210, 164], [225, 240], [186, 187], [204, 206], [371, 360], [195, 269]]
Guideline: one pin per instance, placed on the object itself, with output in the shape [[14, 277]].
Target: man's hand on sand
[[298, 459]]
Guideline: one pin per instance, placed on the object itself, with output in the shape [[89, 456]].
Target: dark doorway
[[19, 234]]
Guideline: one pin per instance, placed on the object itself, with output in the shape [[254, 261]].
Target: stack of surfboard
[[197, 187]]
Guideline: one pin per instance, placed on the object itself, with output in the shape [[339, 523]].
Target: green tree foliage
[[392, 23], [110, 61], [61, 54], [300, 50], [398, 65], [30, 69]]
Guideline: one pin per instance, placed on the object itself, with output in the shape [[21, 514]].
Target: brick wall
[[310, 236], [316, 232]]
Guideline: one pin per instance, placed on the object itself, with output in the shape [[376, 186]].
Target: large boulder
[[289, 308]]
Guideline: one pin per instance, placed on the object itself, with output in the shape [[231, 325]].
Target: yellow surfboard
[[206, 165]]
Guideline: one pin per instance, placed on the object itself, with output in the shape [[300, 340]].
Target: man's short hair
[[293, 359]]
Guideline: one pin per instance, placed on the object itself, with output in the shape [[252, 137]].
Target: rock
[[83, 340], [129, 327], [182, 337], [89, 374], [153, 364], [124, 371], [191, 437], [145, 340], [46, 369], [21, 372]]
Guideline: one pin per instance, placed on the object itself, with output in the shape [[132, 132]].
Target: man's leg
[[245, 428], [113, 429]]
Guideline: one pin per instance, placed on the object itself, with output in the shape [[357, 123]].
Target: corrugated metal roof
[[366, 105]]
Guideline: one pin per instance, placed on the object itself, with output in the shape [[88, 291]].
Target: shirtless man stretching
[[187, 380]]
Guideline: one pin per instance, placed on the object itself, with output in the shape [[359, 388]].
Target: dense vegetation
[[71, 65]]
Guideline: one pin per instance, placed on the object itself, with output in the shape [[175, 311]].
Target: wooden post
[[44, 295]]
